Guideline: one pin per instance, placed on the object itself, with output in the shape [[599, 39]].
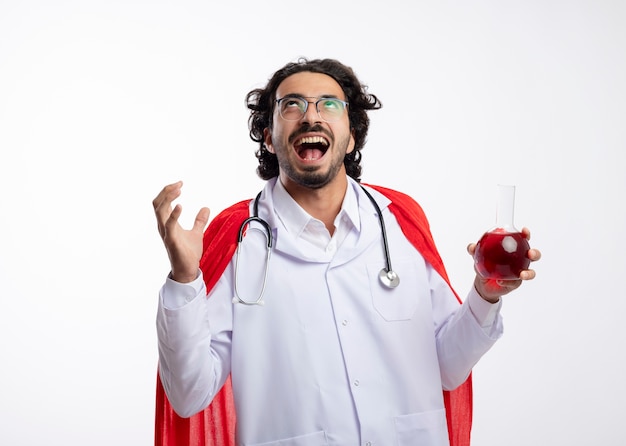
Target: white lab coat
[[333, 357]]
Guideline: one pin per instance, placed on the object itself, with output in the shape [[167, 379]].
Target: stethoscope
[[387, 276]]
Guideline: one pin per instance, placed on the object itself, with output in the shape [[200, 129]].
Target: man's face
[[310, 151]]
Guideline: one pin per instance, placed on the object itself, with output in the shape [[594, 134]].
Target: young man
[[320, 342]]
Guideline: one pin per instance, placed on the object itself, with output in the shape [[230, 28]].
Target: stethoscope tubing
[[388, 277]]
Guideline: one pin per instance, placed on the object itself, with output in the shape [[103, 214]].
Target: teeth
[[313, 140]]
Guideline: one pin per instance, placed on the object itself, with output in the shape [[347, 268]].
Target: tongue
[[311, 154]]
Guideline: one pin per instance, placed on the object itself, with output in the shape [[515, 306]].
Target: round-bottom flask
[[502, 252]]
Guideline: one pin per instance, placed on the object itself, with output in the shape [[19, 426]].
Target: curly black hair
[[261, 103]]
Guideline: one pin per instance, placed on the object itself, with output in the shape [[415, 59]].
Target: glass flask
[[502, 252]]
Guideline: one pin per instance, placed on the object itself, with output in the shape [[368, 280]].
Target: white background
[[104, 102]]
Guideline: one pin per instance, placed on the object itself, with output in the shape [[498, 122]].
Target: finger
[[534, 254], [201, 220], [526, 233], [471, 248], [506, 286], [168, 193], [157, 205], [527, 274], [163, 202], [172, 220], [165, 192]]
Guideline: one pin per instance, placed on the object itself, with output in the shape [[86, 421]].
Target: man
[[338, 352]]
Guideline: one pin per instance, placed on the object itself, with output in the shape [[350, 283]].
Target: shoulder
[[407, 211], [220, 241], [238, 209], [227, 221], [414, 225], [397, 198]]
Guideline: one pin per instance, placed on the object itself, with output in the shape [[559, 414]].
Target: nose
[[311, 115]]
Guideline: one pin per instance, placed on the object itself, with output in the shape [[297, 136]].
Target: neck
[[324, 203]]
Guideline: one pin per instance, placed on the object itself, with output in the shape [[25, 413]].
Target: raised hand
[[184, 247]]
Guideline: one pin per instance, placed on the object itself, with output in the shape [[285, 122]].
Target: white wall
[[104, 102]]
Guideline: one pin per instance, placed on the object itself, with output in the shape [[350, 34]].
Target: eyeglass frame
[[307, 102]]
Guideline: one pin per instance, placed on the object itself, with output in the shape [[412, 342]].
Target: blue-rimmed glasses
[[293, 108]]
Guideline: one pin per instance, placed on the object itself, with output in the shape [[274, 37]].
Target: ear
[[351, 143], [267, 140]]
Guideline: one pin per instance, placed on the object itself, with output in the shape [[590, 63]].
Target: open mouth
[[311, 148]]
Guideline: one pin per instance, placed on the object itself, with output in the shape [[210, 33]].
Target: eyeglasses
[[293, 108]]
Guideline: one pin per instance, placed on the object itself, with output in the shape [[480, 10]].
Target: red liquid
[[501, 255]]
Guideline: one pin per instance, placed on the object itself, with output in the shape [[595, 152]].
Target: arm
[[464, 333], [472, 329], [182, 324]]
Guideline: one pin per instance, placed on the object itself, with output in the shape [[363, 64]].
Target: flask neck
[[505, 208]]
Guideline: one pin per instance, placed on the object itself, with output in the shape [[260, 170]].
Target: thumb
[[201, 220]]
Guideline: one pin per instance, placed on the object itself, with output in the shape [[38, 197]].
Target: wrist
[[183, 277], [491, 300], [480, 287]]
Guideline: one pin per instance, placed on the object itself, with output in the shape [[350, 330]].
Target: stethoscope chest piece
[[389, 278]]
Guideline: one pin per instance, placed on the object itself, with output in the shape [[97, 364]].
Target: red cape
[[215, 425]]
